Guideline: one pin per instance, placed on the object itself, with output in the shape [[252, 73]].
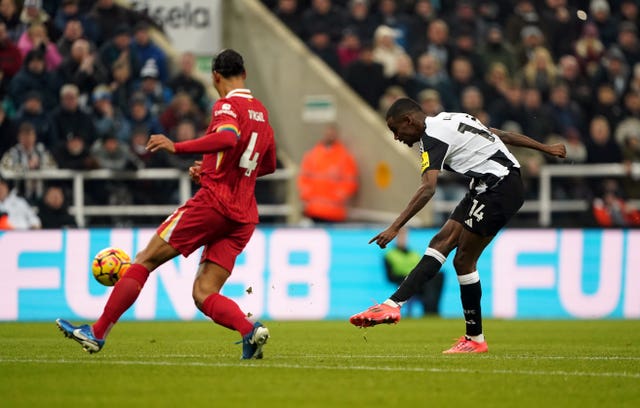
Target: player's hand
[[160, 142], [557, 150], [386, 236], [195, 171]]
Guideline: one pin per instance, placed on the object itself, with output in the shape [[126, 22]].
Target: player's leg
[[432, 292], [180, 233], [222, 310], [470, 248], [124, 294], [127, 289], [436, 254], [389, 311], [218, 259], [484, 216]]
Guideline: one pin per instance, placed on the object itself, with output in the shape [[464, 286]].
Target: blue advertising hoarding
[[330, 273]]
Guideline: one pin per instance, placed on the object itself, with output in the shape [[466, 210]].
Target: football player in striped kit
[[460, 143]]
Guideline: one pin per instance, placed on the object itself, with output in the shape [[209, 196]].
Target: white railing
[[547, 205], [80, 211], [544, 206]]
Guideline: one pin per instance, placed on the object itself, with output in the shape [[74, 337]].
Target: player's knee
[[141, 257], [444, 242], [146, 258], [198, 297], [202, 289], [198, 302], [463, 263]]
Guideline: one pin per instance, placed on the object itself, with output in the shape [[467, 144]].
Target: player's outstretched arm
[[209, 143], [420, 198], [517, 139]]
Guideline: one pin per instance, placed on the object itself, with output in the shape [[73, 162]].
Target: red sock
[[226, 312], [125, 292]]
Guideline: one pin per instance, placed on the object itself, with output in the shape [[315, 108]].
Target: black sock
[[426, 269], [471, 295]]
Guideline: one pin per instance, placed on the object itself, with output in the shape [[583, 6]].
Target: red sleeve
[[209, 143]]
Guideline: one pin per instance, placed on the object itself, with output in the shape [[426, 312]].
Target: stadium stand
[[567, 69]]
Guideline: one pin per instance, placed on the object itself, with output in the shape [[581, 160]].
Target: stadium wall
[[292, 273]]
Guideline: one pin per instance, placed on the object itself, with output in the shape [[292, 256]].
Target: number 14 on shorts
[[475, 212]]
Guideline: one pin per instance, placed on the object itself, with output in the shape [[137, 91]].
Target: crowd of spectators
[[82, 86], [556, 69]]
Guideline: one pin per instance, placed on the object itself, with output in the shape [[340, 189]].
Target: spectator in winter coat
[[34, 77], [10, 59], [25, 156], [328, 179], [53, 210], [15, 211]]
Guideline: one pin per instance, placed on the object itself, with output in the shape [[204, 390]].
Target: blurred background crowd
[[83, 85], [555, 70]]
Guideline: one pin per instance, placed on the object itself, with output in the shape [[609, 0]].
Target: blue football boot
[[252, 343], [81, 334]]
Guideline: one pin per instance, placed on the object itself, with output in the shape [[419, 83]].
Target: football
[[109, 265]]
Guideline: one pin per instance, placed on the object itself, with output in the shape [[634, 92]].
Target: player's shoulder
[[445, 118], [439, 123], [241, 103], [225, 106]]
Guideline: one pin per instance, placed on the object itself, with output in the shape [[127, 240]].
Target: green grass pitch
[[326, 364]]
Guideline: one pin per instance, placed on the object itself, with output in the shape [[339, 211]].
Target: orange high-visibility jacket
[[328, 179], [4, 222]]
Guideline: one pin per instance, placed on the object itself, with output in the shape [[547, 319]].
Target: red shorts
[[194, 225]]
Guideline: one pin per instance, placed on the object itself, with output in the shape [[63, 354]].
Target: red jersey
[[228, 177]]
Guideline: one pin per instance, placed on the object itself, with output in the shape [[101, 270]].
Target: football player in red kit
[[237, 147]]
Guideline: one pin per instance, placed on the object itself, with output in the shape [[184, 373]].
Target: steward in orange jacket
[[328, 179]]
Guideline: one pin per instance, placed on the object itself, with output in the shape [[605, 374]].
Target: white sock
[[391, 303], [434, 253], [469, 278], [478, 339]]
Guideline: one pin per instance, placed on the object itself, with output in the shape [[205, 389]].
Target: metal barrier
[[80, 211], [547, 205], [544, 206]]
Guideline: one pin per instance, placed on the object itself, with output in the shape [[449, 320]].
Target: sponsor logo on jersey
[[225, 109], [425, 161], [257, 116]]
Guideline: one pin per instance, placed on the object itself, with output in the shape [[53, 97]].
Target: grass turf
[[326, 364]]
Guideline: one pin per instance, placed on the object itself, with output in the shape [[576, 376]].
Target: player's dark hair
[[403, 106], [228, 63]]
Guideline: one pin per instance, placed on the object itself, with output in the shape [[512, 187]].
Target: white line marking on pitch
[[262, 364], [424, 356], [484, 357]]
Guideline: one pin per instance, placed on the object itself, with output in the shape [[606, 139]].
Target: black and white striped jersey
[[460, 143]]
